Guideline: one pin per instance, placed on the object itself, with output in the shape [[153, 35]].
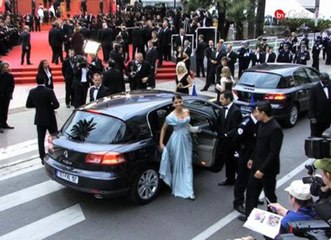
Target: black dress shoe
[[242, 217], [239, 208], [1, 131], [204, 89], [7, 127], [30, 63], [226, 182]]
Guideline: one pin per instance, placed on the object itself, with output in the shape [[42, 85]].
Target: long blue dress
[[176, 162]]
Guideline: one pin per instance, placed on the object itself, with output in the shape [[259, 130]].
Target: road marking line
[[234, 214], [17, 162], [28, 194], [18, 169], [48, 226], [18, 149]]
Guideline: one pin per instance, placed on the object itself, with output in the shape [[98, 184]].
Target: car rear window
[[259, 80], [92, 127]]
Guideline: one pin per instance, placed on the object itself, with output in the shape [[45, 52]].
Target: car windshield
[[94, 128], [259, 80]]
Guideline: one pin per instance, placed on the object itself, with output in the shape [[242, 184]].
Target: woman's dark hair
[[41, 65], [264, 107], [177, 96]]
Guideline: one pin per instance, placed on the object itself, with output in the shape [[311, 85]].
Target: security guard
[[244, 140], [316, 52], [285, 55], [302, 55]]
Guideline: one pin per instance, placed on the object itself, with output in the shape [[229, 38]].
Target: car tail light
[[50, 145], [275, 96], [109, 158]]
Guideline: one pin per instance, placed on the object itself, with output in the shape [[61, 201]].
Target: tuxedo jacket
[[25, 39], [144, 71], [178, 41], [68, 70], [200, 52], [151, 57], [256, 60], [114, 81], [102, 92], [216, 58], [43, 99], [319, 104], [229, 124]]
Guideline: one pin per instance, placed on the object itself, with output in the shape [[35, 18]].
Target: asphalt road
[[33, 207]]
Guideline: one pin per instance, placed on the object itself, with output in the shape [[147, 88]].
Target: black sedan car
[[285, 86], [110, 147]]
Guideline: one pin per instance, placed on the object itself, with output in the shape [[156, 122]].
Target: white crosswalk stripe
[[18, 149], [48, 226], [28, 194]]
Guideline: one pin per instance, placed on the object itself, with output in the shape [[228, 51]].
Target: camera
[[80, 61]]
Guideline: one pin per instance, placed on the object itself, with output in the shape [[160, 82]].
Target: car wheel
[[293, 115], [146, 186]]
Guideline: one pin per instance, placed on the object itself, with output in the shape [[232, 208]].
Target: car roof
[[130, 104], [283, 69]]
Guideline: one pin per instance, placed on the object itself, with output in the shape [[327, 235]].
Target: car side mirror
[[161, 113]]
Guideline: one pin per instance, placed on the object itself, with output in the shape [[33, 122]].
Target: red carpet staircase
[[27, 74]]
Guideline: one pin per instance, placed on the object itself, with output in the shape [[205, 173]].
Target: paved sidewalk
[[21, 91]]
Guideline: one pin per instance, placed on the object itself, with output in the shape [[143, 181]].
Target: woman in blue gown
[[176, 163]]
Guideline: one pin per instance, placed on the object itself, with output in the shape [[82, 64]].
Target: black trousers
[[4, 106], [231, 163], [56, 54], [200, 67], [106, 51], [138, 48], [316, 62], [210, 76], [80, 93], [26, 52], [241, 181], [69, 92], [317, 129], [41, 130], [254, 188]]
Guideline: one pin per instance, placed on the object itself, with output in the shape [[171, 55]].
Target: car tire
[[145, 186], [293, 115]]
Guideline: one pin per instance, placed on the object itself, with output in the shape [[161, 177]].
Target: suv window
[[313, 75], [94, 128], [202, 106], [301, 77], [259, 80]]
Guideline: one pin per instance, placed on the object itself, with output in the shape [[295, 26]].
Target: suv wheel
[[293, 115], [146, 186]]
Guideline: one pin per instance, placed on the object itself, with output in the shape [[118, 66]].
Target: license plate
[[246, 109], [68, 177]]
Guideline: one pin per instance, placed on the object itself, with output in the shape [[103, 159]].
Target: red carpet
[[40, 49]]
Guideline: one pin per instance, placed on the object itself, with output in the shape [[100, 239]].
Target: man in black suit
[[83, 6], [232, 58], [164, 37], [107, 38], [33, 7], [7, 85], [208, 52], [230, 118], [179, 40], [244, 56], [285, 55], [215, 60], [98, 90], [200, 55], [302, 55], [81, 83], [44, 101], [68, 3], [319, 111], [138, 71], [265, 164], [26, 45], [55, 39], [151, 58], [138, 43], [68, 74], [113, 79], [257, 57]]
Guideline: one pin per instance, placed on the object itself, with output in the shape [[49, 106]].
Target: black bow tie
[[325, 86], [96, 88], [226, 108]]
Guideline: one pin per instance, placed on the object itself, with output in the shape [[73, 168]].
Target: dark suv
[[285, 86]]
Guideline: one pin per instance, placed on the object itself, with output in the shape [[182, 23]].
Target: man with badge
[[244, 141]]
